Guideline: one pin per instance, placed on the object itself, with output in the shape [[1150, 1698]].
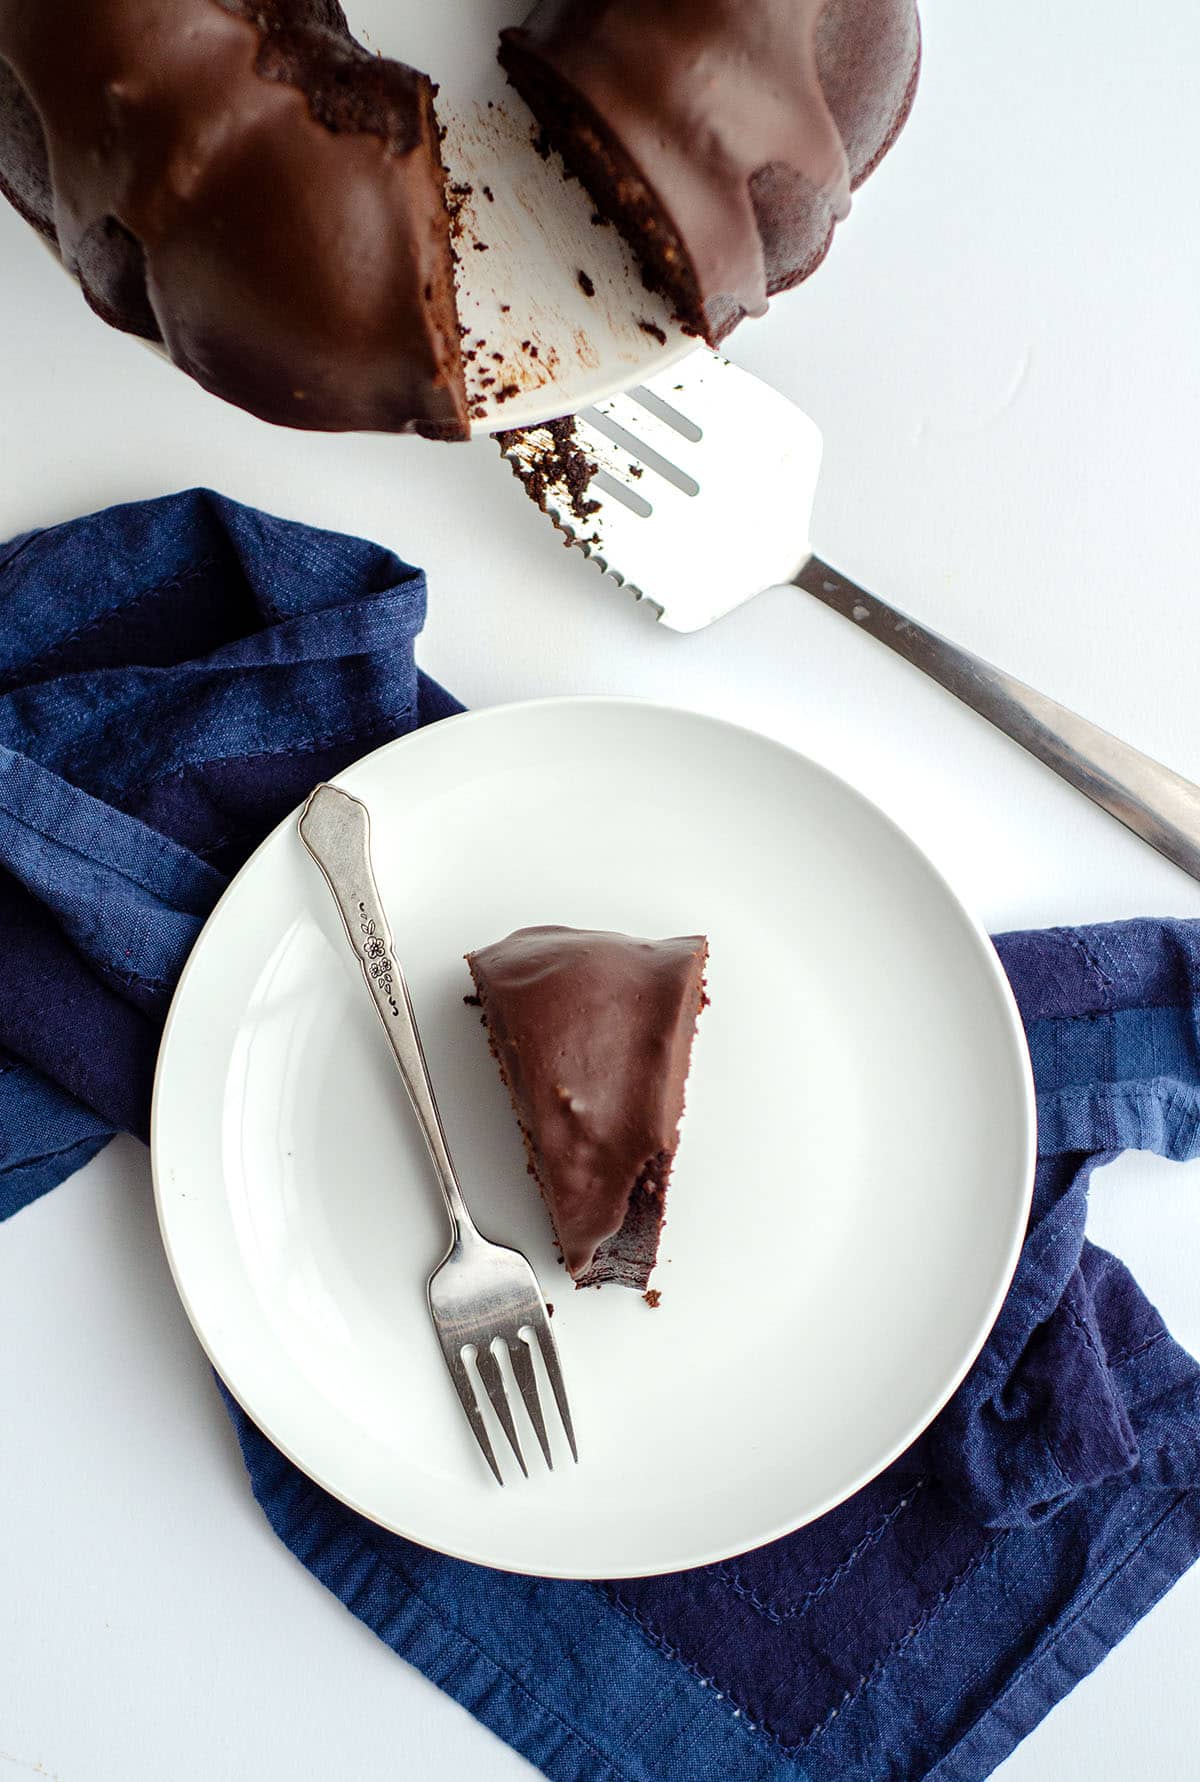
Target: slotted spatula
[[702, 496]]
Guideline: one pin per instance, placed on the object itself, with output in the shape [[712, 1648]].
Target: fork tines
[[477, 1372]]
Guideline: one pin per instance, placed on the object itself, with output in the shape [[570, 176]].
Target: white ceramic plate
[[851, 1189]]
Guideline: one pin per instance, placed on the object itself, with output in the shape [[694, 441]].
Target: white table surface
[[1003, 354]]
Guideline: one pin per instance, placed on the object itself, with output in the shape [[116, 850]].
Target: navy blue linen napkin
[[174, 677]]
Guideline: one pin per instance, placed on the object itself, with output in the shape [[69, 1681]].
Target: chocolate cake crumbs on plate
[[586, 285], [653, 1298], [653, 330]]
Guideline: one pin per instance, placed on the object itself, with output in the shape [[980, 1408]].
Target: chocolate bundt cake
[[238, 179], [593, 1035], [722, 137], [241, 181]]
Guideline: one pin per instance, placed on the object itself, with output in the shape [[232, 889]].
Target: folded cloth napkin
[[174, 677]]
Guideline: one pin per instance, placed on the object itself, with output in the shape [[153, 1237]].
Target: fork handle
[[1156, 803], [336, 830]]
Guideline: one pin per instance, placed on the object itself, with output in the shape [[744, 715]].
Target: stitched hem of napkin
[[173, 865], [378, 1592], [1144, 1116], [349, 1565], [38, 668], [28, 1179], [391, 725], [1072, 1650]]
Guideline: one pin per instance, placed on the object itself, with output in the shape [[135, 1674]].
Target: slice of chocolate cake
[[593, 1035]]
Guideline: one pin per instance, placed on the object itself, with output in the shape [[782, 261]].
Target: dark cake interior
[[593, 1035]]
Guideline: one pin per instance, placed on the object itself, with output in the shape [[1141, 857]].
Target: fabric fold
[[175, 676]]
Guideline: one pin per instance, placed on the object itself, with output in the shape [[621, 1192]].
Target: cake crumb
[[553, 465], [458, 194], [550, 1308], [586, 285], [653, 1298], [653, 330], [489, 194], [472, 1002]]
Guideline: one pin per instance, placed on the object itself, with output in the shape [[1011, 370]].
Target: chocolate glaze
[[244, 182], [593, 1032], [743, 126]]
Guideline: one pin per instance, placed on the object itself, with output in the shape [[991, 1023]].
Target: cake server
[[484, 1299], [673, 484]]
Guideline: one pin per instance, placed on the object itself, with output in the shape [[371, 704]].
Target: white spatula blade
[[704, 488]]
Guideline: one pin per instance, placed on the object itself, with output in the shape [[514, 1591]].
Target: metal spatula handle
[[1158, 805]]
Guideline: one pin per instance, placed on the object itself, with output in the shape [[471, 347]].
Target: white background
[[1004, 357]]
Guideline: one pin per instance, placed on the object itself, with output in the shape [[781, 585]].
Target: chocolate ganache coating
[[722, 136], [593, 1033], [246, 184]]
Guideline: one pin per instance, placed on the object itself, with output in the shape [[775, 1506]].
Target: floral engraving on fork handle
[[379, 964]]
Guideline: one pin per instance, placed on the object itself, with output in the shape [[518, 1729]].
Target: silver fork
[[703, 487], [483, 1298]]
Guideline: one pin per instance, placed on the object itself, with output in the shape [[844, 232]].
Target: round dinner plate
[[851, 1190]]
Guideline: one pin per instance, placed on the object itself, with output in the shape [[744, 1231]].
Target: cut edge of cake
[[621, 192]]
